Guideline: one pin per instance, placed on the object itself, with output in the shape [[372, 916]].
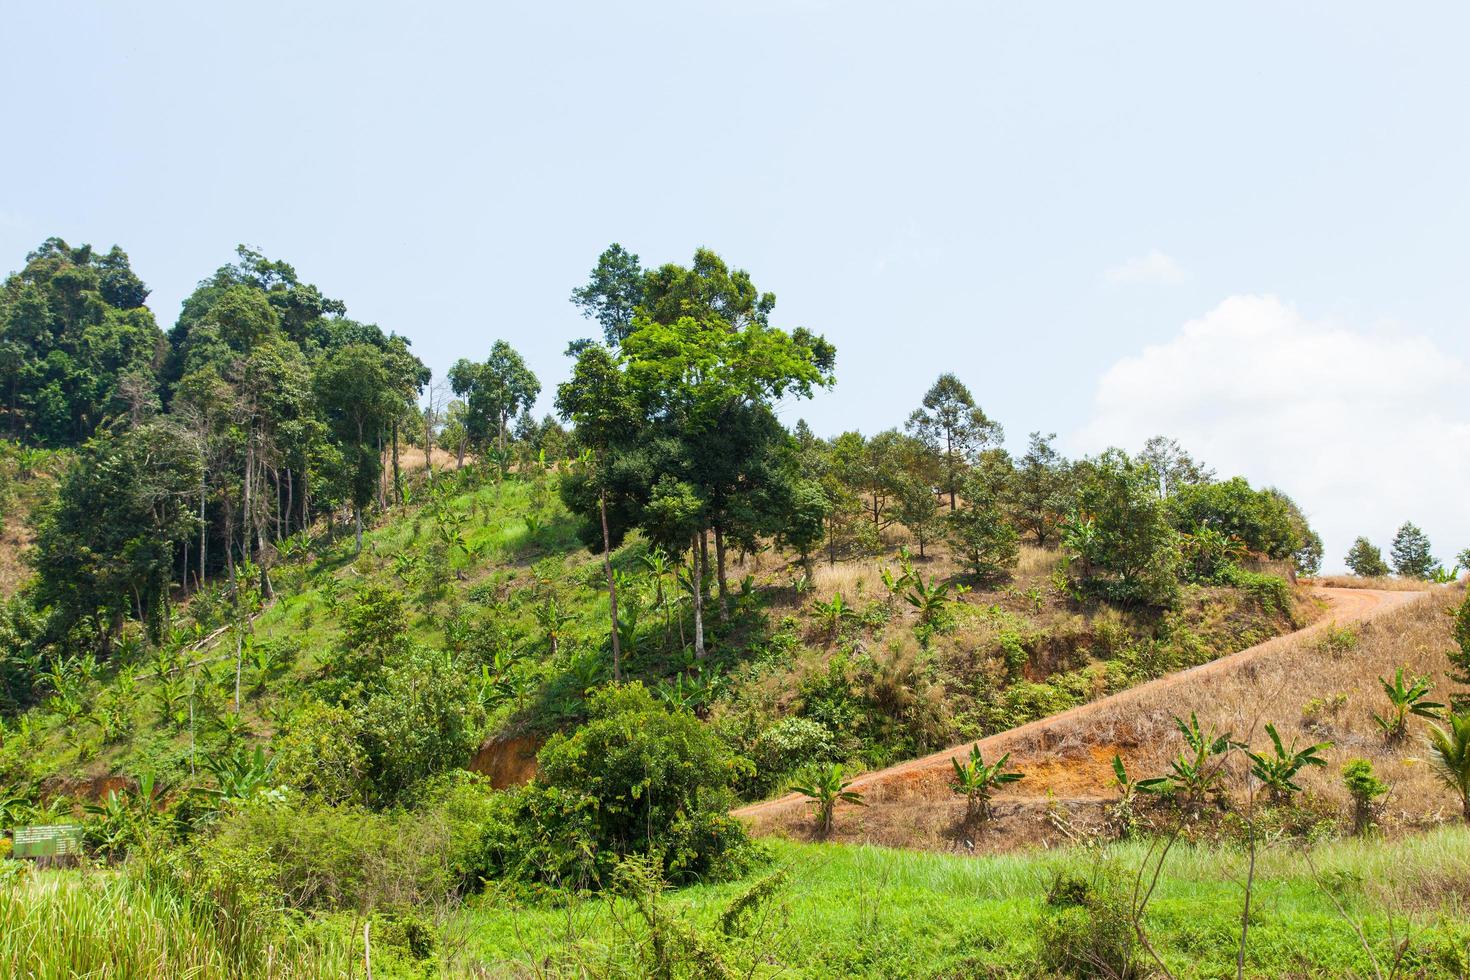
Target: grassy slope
[[866, 911], [770, 651]]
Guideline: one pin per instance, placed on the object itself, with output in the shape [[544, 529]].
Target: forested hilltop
[[307, 639]]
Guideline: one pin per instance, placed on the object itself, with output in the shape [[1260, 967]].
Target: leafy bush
[[1270, 592], [1123, 547], [1365, 789], [788, 745], [319, 753], [1086, 929], [653, 780], [982, 535], [422, 720], [1260, 520], [310, 856]]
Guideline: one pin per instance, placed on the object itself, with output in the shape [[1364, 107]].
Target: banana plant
[[238, 776], [977, 782], [1277, 771], [1194, 773], [825, 789], [931, 599], [406, 565], [1405, 698], [552, 617], [832, 614]]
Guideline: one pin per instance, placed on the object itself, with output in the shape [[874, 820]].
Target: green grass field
[[874, 912]]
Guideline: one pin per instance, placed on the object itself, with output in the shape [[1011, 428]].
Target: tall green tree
[[354, 386], [980, 532], [1410, 551], [1364, 559], [77, 345], [107, 545], [1040, 494], [613, 292], [494, 391], [597, 401], [1121, 543], [955, 427]]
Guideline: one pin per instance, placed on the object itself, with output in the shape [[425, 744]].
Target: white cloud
[[1155, 268], [1364, 428]]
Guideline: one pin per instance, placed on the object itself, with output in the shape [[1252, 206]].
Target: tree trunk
[[612, 591], [245, 492], [429, 438], [357, 511], [698, 583], [720, 575], [397, 484], [239, 658], [382, 498]]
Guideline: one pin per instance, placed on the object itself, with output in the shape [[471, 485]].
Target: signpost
[[49, 841]]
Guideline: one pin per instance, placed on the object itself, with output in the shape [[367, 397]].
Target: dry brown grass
[[1335, 672], [15, 538], [1383, 583], [1332, 668]]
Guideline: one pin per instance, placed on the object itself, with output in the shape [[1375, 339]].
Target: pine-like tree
[[1410, 551]]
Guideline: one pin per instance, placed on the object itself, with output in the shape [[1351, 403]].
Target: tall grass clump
[[104, 924]]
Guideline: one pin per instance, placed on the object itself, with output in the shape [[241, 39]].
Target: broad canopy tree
[[689, 445], [494, 392]]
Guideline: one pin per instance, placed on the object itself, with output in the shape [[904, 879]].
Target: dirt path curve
[[1344, 606]]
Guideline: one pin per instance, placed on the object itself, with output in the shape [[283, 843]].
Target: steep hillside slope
[[1318, 684], [867, 663]]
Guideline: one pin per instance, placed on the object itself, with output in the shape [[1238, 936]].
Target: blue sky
[[1085, 210]]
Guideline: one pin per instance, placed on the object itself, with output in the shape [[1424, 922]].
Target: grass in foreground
[[874, 912]]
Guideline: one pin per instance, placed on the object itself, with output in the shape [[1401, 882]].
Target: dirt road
[[1345, 606]]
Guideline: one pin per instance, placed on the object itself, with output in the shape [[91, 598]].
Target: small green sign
[[53, 840]]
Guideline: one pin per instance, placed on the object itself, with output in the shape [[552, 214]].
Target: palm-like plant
[[552, 617], [832, 614], [1194, 772], [1278, 770], [1449, 753], [1122, 814], [239, 776], [931, 599], [977, 782], [826, 789], [1405, 698]]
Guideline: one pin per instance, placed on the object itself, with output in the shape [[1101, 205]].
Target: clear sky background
[[1244, 227]]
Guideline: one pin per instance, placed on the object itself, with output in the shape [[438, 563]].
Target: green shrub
[[424, 719], [310, 856], [785, 747], [319, 753], [1122, 546], [1365, 789], [1270, 592], [1086, 929], [655, 781]]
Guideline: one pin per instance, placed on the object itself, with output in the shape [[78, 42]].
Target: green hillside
[[487, 573]]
